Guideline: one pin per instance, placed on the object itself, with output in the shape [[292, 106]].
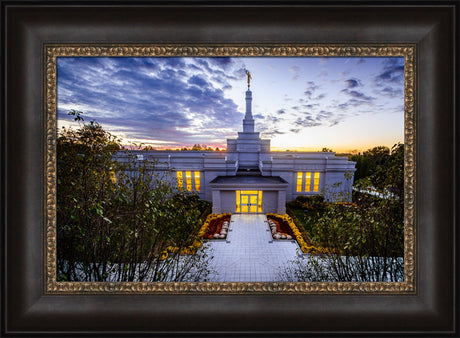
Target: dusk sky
[[300, 103]]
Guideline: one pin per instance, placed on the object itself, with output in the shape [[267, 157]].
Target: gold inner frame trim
[[53, 51]]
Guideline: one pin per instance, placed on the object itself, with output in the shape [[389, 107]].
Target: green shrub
[[115, 219], [374, 228]]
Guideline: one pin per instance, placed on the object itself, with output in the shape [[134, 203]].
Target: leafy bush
[[365, 241], [374, 228], [115, 220]]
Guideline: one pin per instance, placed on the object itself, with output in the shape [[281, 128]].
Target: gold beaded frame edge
[[53, 51]]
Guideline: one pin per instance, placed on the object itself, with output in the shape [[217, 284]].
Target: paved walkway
[[249, 254]]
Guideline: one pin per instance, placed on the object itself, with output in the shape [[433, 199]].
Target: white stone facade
[[248, 177]]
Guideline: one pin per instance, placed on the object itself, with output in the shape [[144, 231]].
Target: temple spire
[[248, 121]]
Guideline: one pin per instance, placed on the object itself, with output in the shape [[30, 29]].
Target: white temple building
[[249, 178]]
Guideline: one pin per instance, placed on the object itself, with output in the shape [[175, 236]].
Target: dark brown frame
[[28, 26]]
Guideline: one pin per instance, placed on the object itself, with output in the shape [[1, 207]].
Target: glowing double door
[[249, 201]]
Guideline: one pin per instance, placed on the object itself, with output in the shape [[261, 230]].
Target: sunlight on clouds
[[300, 103], [151, 142]]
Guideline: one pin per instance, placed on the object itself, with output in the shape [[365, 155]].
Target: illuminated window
[[299, 181], [197, 180], [188, 180], [316, 182], [180, 182], [190, 176], [307, 181]]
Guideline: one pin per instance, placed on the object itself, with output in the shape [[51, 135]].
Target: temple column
[[281, 202], [216, 203]]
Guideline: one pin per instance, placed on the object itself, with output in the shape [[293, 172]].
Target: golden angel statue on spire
[[248, 74]]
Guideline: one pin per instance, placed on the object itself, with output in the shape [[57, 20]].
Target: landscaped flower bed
[[216, 226], [279, 227], [286, 219], [188, 250]]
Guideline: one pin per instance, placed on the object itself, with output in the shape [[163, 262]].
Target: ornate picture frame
[[32, 300], [408, 52]]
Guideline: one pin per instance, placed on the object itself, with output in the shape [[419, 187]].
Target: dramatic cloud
[[310, 90], [168, 99], [393, 71], [320, 96], [198, 81], [184, 101], [352, 83], [272, 133], [269, 131], [389, 82], [353, 103], [272, 119], [392, 92], [306, 122], [357, 95], [269, 127]]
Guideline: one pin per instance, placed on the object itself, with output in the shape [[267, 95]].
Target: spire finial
[[248, 74]]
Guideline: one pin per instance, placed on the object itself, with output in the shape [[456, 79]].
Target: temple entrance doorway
[[249, 201]]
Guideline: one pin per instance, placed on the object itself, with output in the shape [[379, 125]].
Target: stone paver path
[[249, 254]]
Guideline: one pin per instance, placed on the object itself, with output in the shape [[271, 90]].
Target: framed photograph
[[274, 201], [211, 170]]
